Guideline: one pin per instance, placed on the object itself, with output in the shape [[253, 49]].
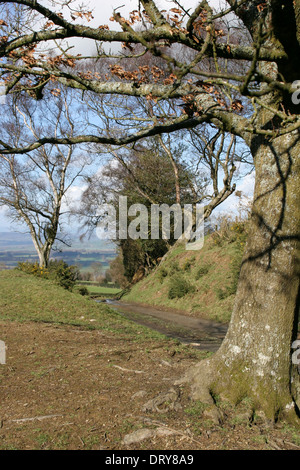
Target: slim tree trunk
[[44, 251], [254, 359], [43, 258]]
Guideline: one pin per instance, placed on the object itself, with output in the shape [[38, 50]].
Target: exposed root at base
[[215, 399]]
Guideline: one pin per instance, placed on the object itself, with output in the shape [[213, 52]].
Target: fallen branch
[[129, 370], [38, 418]]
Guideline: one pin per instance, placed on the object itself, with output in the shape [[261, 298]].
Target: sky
[[102, 11]]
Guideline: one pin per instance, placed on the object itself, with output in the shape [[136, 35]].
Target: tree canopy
[[210, 63]]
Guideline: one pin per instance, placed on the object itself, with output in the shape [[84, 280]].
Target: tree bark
[[254, 360], [43, 262]]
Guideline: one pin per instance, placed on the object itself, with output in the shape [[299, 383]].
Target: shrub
[[239, 232], [229, 230], [33, 268], [82, 290], [174, 268], [59, 271], [162, 274], [235, 267], [63, 274], [187, 265], [202, 271], [222, 293], [179, 287]]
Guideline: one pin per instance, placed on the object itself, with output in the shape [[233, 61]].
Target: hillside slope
[[27, 298], [200, 283]]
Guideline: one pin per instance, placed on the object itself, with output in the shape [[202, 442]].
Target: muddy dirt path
[[200, 333]]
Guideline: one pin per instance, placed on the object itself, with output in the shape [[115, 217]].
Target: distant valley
[[16, 247]]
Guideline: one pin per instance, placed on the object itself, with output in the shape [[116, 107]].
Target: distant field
[[83, 260], [101, 290], [104, 290], [15, 247]]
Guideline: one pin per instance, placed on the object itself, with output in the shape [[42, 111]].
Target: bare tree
[[34, 186], [255, 357]]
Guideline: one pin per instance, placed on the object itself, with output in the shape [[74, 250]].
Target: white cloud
[[102, 11], [5, 223], [232, 204], [73, 197]]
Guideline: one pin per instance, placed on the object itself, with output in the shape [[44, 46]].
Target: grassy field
[[102, 290]]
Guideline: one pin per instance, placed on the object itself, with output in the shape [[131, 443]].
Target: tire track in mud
[[201, 333]]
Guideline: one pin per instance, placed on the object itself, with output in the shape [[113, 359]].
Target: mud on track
[[202, 334]]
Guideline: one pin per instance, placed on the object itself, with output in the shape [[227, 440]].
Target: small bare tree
[[34, 186]]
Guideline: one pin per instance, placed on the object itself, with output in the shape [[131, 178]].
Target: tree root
[[208, 385], [165, 401]]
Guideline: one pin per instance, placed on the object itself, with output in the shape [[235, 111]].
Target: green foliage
[[188, 264], [63, 274], [179, 287], [222, 293], [230, 231], [235, 267], [33, 268], [174, 268], [239, 233], [202, 271], [162, 274], [59, 271], [197, 409], [82, 290]]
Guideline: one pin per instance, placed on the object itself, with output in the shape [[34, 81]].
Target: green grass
[[102, 290], [25, 298], [207, 272]]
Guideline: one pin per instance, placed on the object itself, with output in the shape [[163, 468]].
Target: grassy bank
[[26, 298], [201, 283]]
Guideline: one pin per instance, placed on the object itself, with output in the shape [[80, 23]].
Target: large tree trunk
[[254, 359]]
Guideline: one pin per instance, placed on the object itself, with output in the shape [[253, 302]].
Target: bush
[[33, 268], [188, 264], [63, 274], [202, 271], [239, 233], [82, 290], [229, 230], [179, 287], [59, 271], [174, 268], [162, 274], [222, 293], [235, 267]]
